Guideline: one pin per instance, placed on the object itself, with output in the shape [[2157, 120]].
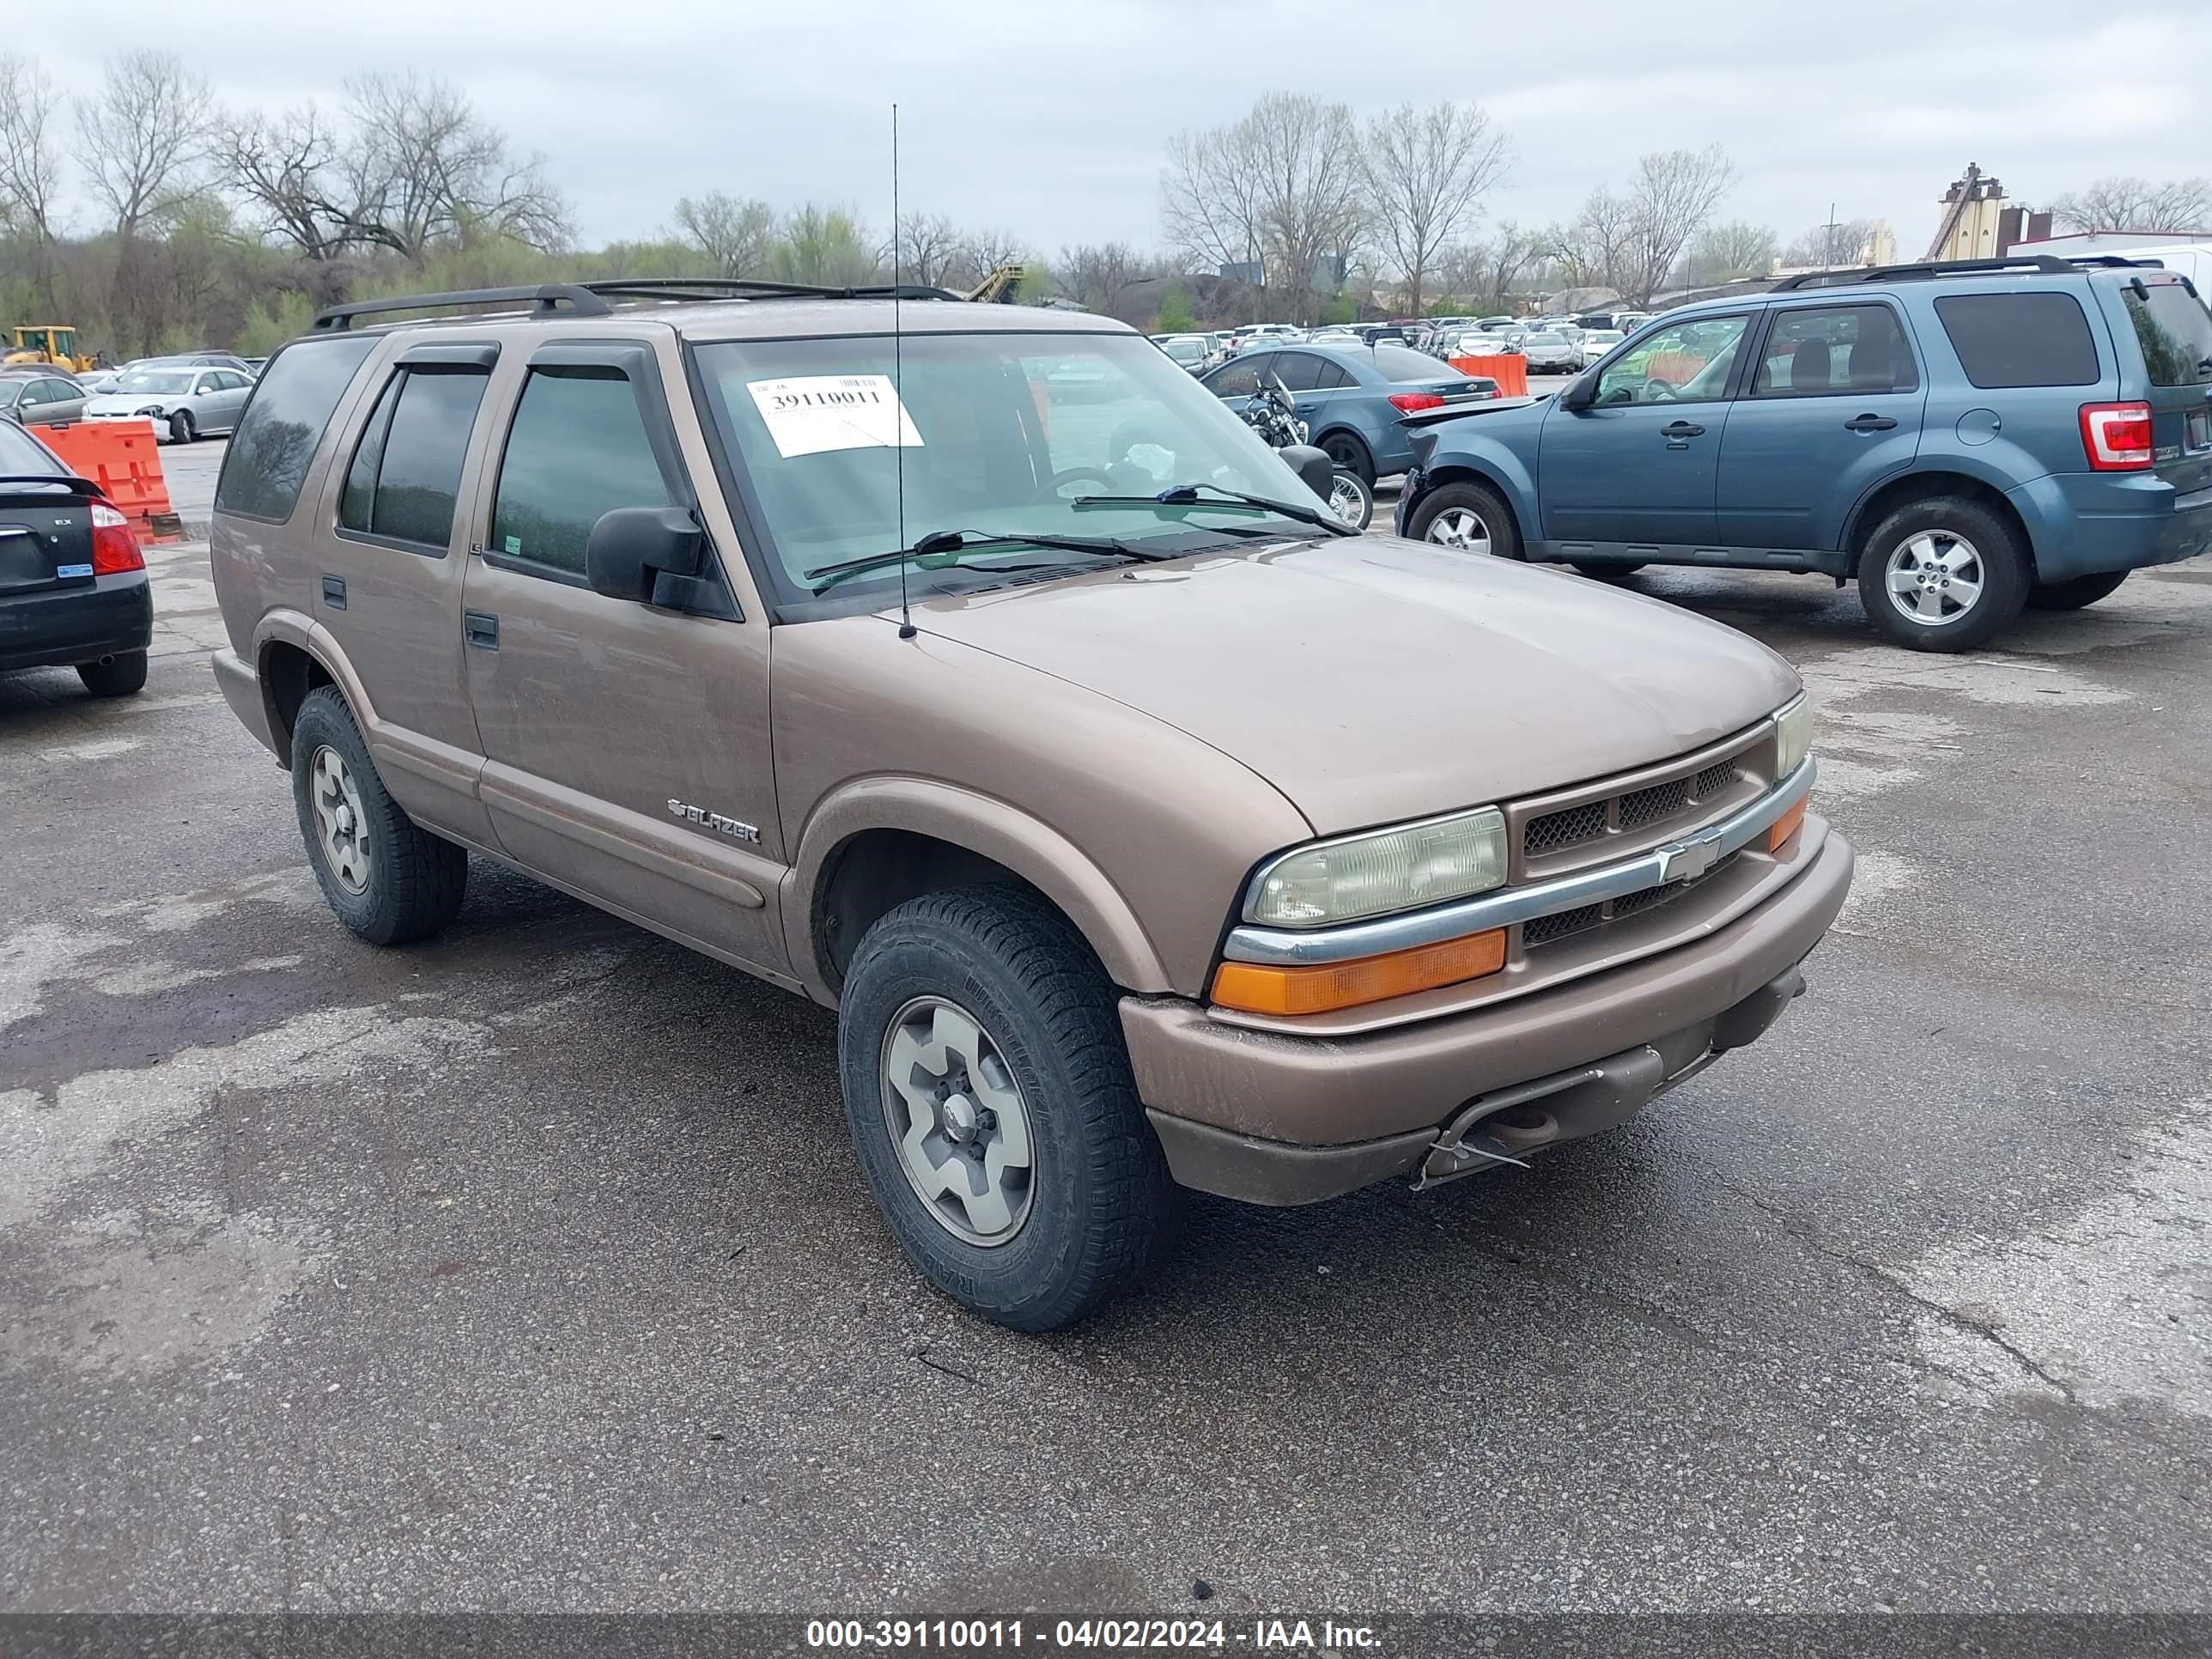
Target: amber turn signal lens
[[1785, 826], [1260, 989]]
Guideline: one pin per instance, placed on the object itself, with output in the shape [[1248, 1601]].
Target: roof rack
[[590, 299], [1920, 270], [547, 297]]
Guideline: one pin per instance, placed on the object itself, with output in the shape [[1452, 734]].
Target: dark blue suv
[[1965, 439]]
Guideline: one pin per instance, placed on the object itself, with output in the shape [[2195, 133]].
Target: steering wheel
[[1067, 476], [1660, 392]]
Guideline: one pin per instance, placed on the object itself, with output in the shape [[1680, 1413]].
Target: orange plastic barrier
[[1512, 373], [1675, 367], [122, 459]]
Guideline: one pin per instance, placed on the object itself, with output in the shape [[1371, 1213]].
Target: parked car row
[[187, 396]]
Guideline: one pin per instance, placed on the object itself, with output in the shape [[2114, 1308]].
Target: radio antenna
[[898, 389]]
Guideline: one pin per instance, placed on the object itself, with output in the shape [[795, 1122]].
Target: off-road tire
[[2076, 592], [118, 676], [1483, 501], [1103, 1208], [2005, 568], [416, 880]]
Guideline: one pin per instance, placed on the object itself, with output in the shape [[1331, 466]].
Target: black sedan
[[73, 585]]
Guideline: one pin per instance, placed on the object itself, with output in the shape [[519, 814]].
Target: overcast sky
[[1047, 117]]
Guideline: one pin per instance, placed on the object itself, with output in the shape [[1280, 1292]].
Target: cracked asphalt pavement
[[528, 1268]]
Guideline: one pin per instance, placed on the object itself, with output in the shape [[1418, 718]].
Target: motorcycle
[[1272, 414]]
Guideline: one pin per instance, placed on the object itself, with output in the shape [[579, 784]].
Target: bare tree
[[2131, 204], [281, 168], [424, 167], [1674, 198], [931, 248], [30, 155], [1497, 262], [1097, 273], [1732, 252], [984, 252], [735, 237], [1598, 249], [140, 138], [1426, 172], [1842, 242], [1282, 187]]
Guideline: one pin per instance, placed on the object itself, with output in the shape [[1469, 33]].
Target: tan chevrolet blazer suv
[[972, 671]]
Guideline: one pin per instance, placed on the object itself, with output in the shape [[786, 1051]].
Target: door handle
[[482, 629], [1682, 429], [1870, 423]]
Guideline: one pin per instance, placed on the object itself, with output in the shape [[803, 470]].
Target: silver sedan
[[1551, 352], [183, 403]]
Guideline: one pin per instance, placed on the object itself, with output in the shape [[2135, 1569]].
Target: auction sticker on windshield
[[812, 413]]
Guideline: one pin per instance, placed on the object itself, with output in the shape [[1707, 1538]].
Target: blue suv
[[1966, 438]]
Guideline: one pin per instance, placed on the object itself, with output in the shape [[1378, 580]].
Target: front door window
[[1689, 362]]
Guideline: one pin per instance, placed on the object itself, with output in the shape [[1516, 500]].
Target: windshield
[[1000, 435], [155, 380]]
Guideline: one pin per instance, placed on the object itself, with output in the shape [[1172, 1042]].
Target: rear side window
[[1815, 350], [2020, 339], [2175, 332], [578, 449], [268, 457], [406, 470]]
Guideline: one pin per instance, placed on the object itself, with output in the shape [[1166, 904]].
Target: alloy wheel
[[339, 820], [1935, 577], [957, 1121], [1460, 527]]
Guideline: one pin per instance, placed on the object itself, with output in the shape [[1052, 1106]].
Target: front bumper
[[61, 627], [1285, 1120]]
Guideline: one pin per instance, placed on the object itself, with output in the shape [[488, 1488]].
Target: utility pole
[[1828, 239]]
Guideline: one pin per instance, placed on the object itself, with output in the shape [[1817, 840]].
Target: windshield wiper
[[1186, 495], [943, 548]]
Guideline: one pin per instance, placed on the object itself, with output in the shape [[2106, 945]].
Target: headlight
[[151, 409], [1404, 869], [1792, 737]]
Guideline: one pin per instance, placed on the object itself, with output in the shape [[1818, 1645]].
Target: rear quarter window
[[2020, 339], [267, 462], [2175, 332]]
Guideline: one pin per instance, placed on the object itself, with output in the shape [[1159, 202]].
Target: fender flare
[[285, 626], [982, 825]]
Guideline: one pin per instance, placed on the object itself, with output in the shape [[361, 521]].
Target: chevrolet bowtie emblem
[[1685, 860]]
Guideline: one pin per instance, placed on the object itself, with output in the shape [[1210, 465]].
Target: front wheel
[[1470, 517], [2075, 592], [181, 430], [1349, 501], [1944, 574], [991, 1103]]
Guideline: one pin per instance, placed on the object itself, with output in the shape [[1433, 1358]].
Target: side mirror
[[645, 554], [1312, 466], [1579, 393]]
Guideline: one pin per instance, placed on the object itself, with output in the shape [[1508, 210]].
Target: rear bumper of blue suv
[[2083, 523]]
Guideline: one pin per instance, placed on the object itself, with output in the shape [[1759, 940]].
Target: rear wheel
[[1469, 517], [1942, 573], [1349, 501], [2074, 593], [117, 677], [991, 1102], [181, 429], [1346, 452], [386, 876]]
